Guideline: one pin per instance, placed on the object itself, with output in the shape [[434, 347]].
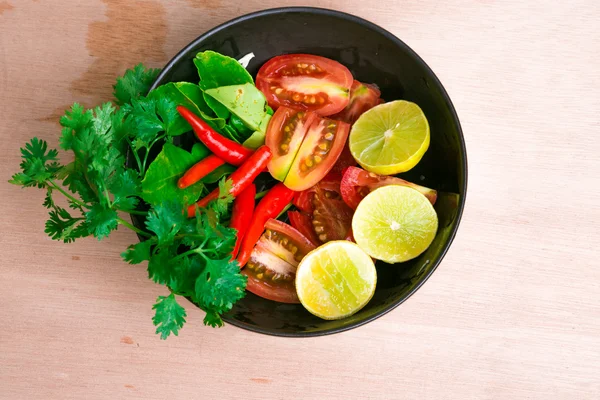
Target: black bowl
[[375, 56]]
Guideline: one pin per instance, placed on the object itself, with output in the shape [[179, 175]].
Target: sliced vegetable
[[319, 151], [240, 179], [363, 97], [273, 262], [322, 212], [241, 215], [245, 101], [269, 207], [305, 82], [199, 171], [357, 183], [285, 134], [303, 224], [229, 151]]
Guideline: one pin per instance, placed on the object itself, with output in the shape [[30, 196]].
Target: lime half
[[335, 280], [394, 224], [390, 138]]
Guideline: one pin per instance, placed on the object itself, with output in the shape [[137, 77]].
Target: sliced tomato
[[303, 224], [363, 97], [305, 82], [357, 183], [323, 215], [345, 160], [319, 151], [285, 133], [271, 270]]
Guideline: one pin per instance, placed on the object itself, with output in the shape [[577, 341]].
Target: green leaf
[[159, 266], [74, 121], [220, 285], [48, 200], [135, 83], [169, 316], [101, 220], [217, 70], [190, 96], [184, 273], [125, 185], [245, 101], [62, 226], [222, 171], [160, 183], [219, 109], [166, 220], [137, 253]]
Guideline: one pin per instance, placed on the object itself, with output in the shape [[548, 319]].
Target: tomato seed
[[318, 159]]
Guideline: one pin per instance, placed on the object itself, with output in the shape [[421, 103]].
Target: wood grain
[[513, 312]]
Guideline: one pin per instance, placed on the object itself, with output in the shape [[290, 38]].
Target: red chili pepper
[[226, 149], [269, 207], [241, 215], [241, 178], [199, 171]]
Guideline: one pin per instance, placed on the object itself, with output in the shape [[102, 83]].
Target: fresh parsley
[[190, 256]]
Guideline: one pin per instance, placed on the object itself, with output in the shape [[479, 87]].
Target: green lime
[[390, 138], [335, 280], [394, 224]]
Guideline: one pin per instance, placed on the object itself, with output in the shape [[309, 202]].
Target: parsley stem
[[133, 228], [135, 154], [73, 199], [136, 212]]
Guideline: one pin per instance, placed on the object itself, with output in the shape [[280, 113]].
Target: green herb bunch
[[190, 256]]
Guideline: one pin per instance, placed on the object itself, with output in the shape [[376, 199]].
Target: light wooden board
[[513, 312]]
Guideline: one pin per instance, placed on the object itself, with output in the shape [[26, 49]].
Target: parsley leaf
[[166, 220], [125, 185], [135, 83], [137, 253], [101, 220], [219, 286], [169, 316], [62, 226]]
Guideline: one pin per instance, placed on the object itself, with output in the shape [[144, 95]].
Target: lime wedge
[[390, 138], [335, 280], [394, 224]]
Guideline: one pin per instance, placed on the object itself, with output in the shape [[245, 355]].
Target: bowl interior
[[373, 56]]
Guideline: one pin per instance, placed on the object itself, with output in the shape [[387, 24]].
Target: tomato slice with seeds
[[305, 82], [363, 97], [357, 183], [323, 215], [303, 223], [271, 270], [285, 134], [318, 153]]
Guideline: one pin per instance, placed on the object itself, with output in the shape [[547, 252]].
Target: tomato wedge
[[318, 153], [271, 270], [285, 134], [363, 97], [323, 215], [357, 183], [305, 82]]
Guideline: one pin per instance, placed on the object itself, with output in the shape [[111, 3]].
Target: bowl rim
[[372, 26]]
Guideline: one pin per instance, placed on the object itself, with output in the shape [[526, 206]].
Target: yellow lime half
[[335, 280], [394, 224], [390, 138]]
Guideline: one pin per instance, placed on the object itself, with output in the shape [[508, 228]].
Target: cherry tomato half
[[357, 183], [271, 270], [305, 82], [363, 97]]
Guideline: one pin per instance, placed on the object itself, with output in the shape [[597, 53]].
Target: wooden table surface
[[513, 312]]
